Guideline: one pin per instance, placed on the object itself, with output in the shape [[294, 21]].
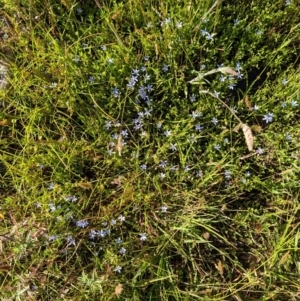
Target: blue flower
[[173, 147], [116, 92], [294, 103], [110, 61], [215, 121], [121, 218], [268, 117], [288, 137], [123, 251], [179, 24], [163, 164], [198, 127], [216, 93], [193, 98], [118, 269], [260, 151], [227, 174], [284, 81], [217, 147], [82, 223], [119, 240], [165, 68], [70, 241], [143, 167], [143, 236], [164, 209], [167, 133], [162, 175], [51, 186]]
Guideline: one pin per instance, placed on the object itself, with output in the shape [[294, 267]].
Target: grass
[[121, 179]]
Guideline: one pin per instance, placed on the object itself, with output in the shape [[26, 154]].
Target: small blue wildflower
[[258, 32], [143, 167], [247, 173], [113, 222], [235, 22], [231, 86], [196, 114], [146, 77], [51, 186], [115, 136], [40, 165], [283, 104], [227, 174], [198, 127], [287, 2], [209, 37], [110, 61], [121, 218], [222, 78], [204, 32], [133, 80], [85, 45], [143, 236], [103, 47], [193, 98], [149, 25], [203, 66], [38, 205], [256, 108], [119, 240], [199, 173], [178, 25], [143, 68], [107, 124], [52, 207], [146, 58], [164, 209], [135, 72], [173, 147], [243, 180], [260, 151], [284, 81], [82, 223], [268, 117], [71, 198], [91, 79], [79, 10], [118, 269], [216, 94], [215, 121], [166, 21], [217, 147], [147, 113], [53, 237], [294, 103], [167, 133], [186, 168], [162, 175], [123, 251], [116, 92], [163, 164], [226, 140], [165, 68], [70, 241], [240, 75], [288, 137]]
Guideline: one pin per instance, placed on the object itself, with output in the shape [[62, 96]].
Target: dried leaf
[[248, 136], [3, 122], [119, 145], [220, 267], [119, 289], [237, 127], [248, 103], [206, 235], [118, 181], [228, 70], [85, 185], [284, 258], [1, 216]]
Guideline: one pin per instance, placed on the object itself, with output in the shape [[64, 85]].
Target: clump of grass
[[121, 179]]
